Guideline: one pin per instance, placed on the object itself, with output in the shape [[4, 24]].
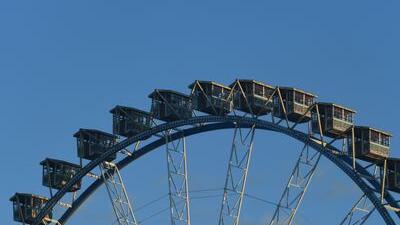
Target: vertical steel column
[[116, 190], [235, 183], [177, 180], [296, 187], [359, 213]]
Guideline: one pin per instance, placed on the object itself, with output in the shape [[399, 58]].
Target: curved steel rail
[[217, 122]]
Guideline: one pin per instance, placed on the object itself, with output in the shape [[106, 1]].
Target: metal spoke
[[343, 161], [363, 208], [116, 190], [177, 180], [359, 213], [296, 187], [235, 183]]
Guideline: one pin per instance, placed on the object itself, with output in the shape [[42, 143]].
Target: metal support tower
[[296, 187], [363, 208], [359, 213], [177, 180], [116, 190], [235, 183]]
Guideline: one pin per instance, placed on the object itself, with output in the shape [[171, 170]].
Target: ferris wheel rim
[[217, 123]]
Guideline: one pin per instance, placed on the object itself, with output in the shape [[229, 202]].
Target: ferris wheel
[[245, 106]]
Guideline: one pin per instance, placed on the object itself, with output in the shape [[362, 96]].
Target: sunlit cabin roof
[[50, 162], [152, 94], [251, 81], [298, 90], [337, 105], [374, 129], [94, 131], [128, 109], [208, 82], [27, 195]]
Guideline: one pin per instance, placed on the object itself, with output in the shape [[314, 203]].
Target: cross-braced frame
[[296, 187], [177, 180], [118, 195], [359, 213], [284, 104], [236, 177]]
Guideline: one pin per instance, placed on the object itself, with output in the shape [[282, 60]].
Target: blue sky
[[63, 65]]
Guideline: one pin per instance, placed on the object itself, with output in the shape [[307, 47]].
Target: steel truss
[[359, 213], [177, 180], [343, 161], [363, 207], [301, 175], [116, 191], [235, 183], [296, 187]]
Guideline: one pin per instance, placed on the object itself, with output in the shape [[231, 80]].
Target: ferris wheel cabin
[[211, 98], [370, 143], [393, 175], [128, 121], [92, 143], [57, 173], [252, 96], [296, 103], [335, 120], [26, 207], [168, 105]]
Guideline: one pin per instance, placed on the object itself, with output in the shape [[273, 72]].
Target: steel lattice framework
[[117, 192], [296, 187], [344, 162], [235, 183], [247, 109], [359, 213], [177, 180], [362, 208]]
